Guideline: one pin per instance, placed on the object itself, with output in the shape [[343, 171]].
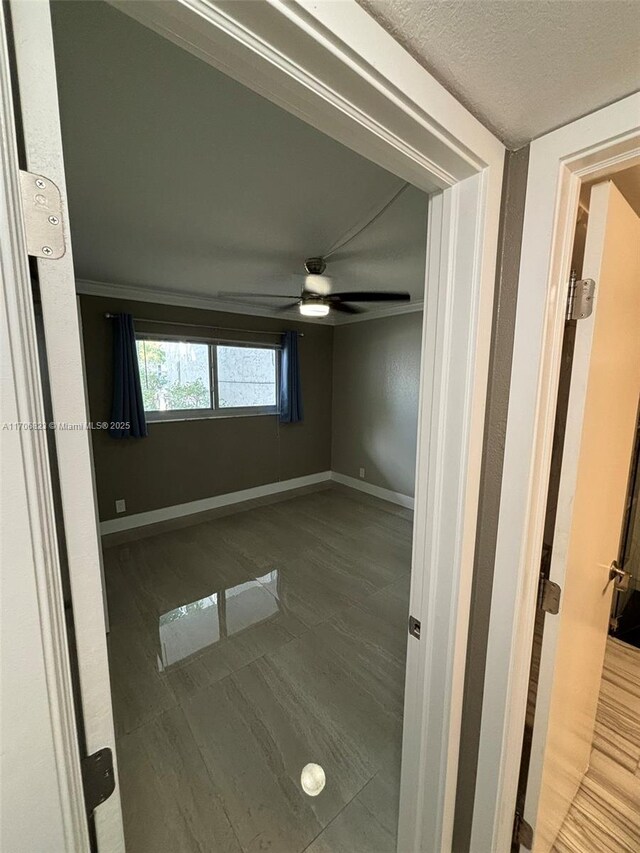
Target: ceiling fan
[[316, 299]]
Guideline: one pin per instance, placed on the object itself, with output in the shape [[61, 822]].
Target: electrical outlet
[[121, 505], [362, 473]]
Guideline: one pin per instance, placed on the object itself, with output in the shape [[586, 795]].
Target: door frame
[[592, 147], [52, 804], [335, 67]]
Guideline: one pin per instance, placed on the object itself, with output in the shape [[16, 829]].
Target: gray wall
[[376, 373], [185, 461], [504, 311]]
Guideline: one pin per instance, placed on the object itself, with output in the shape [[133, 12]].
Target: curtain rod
[[204, 326]]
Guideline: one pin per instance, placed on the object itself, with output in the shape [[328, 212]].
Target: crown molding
[[162, 296]]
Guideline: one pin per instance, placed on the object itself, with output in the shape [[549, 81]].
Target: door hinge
[[414, 627], [580, 297], [522, 832], [42, 211], [98, 778], [549, 596]]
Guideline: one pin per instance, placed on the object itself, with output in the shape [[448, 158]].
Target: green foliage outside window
[[159, 391]]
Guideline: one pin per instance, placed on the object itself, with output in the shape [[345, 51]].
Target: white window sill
[[195, 415]]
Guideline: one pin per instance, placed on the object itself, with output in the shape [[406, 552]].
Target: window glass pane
[[174, 375], [246, 376]]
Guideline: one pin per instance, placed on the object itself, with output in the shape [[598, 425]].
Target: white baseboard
[[141, 519], [166, 513], [370, 489]]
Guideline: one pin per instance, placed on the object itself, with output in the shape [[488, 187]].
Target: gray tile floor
[[246, 647]]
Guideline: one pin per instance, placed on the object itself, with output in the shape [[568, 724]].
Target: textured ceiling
[[181, 179], [523, 67]]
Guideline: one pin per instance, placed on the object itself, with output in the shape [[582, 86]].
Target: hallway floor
[[605, 815], [246, 647]]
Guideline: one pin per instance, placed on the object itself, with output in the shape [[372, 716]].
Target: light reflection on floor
[[190, 628]]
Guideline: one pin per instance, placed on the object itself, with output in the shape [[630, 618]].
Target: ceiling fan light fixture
[[319, 284], [314, 309]]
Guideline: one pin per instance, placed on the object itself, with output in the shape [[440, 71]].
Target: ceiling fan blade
[[346, 309], [230, 294], [288, 306], [371, 296]]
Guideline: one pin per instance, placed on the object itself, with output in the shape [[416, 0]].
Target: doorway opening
[[303, 60], [578, 790], [257, 571], [625, 613]]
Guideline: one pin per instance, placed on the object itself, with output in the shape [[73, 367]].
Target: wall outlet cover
[[121, 505], [362, 473]]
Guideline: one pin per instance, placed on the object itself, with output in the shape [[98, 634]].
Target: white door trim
[[335, 67], [592, 147], [42, 146], [27, 499]]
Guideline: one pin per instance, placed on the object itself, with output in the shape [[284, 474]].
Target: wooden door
[[603, 403]]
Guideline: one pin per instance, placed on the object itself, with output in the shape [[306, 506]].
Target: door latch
[[414, 627]]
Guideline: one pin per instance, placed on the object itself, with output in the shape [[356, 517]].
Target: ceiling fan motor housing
[[315, 266]]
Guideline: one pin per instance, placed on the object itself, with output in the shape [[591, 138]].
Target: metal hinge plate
[[98, 778], [580, 298], [522, 832], [42, 207], [549, 596]]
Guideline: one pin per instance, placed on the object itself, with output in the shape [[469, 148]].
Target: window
[[200, 379], [174, 375], [246, 376]]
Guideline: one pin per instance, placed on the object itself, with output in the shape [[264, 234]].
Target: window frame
[[169, 415]]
